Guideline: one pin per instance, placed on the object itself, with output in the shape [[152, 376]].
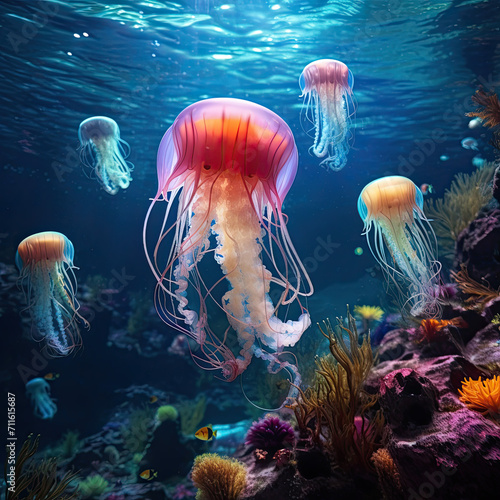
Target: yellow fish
[[206, 433], [51, 376], [148, 474], [153, 399]]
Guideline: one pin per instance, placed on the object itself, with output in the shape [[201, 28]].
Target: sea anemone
[[270, 434], [482, 395], [369, 313], [431, 329], [218, 478]]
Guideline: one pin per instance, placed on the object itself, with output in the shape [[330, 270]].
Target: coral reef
[[218, 478]]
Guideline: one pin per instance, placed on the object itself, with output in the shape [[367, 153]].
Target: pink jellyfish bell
[[230, 163]]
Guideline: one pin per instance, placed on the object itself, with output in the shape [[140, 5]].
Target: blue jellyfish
[[45, 262], [329, 103], [38, 390], [401, 239], [104, 152]]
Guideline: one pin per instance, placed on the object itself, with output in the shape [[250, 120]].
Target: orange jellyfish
[[401, 239], [45, 262], [104, 152], [230, 164], [327, 85]]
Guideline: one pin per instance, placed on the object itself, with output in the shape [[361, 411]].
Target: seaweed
[[479, 294], [459, 207], [38, 479], [333, 412]]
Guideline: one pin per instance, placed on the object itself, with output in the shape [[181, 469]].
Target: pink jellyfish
[[230, 163], [329, 106]]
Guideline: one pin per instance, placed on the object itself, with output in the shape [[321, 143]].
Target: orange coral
[[482, 395], [430, 329]]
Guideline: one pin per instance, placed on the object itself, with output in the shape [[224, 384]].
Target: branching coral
[[488, 108], [479, 294], [218, 478], [37, 480], [482, 395], [460, 206], [331, 408]]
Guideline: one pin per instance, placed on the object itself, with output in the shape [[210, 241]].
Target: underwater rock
[[445, 461], [478, 245], [268, 481], [397, 345], [408, 399], [484, 348]]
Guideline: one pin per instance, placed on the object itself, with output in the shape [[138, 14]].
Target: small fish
[[51, 376], [148, 474], [444, 157], [469, 143], [475, 122], [426, 189], [153, 399], [206, 433]]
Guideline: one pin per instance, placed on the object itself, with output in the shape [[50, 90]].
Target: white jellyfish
[[104, 152]]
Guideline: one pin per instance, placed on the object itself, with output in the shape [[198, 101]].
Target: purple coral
[[270, 434]]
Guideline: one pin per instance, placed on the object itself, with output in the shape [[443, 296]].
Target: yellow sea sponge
[[166, 412], [482, 395], [218, 478], [369, 313]]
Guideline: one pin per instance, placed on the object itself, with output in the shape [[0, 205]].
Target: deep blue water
[[415, 63]]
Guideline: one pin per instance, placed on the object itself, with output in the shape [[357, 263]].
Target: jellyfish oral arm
[[247, 304], [51, 308]]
